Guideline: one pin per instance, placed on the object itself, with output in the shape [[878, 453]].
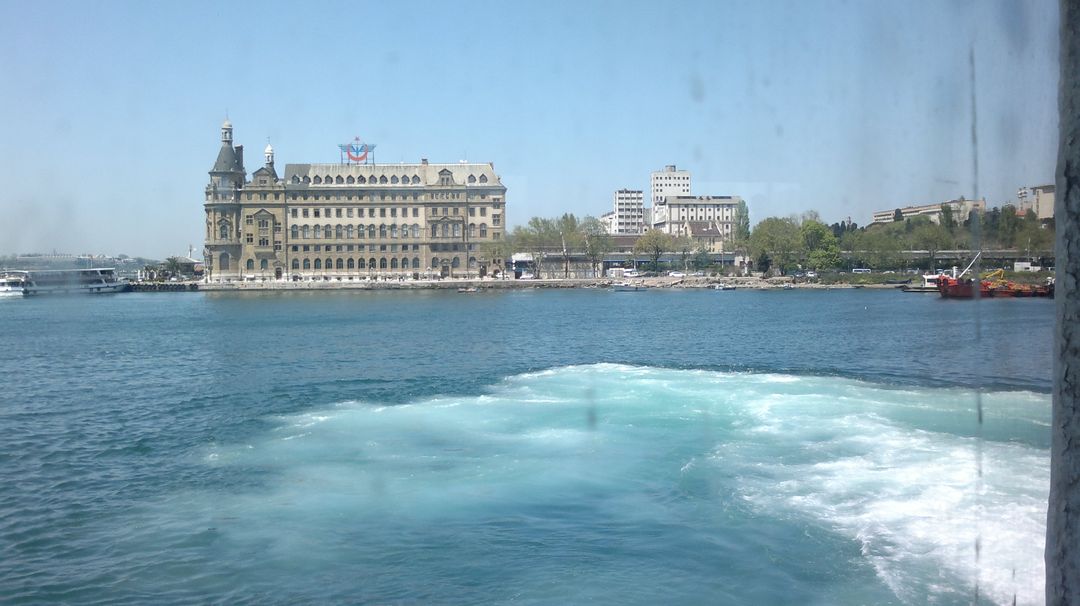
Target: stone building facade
[[351, 221]]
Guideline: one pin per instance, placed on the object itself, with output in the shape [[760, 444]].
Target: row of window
[[372, 263], [348, 212], [348, 232], [381, 180]]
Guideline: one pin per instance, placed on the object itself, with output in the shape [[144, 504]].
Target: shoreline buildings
[[960, 207], [351, 220]]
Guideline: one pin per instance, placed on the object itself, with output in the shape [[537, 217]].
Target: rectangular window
[[455, 210], [382, 212], [483, 211], [393, 212], [307, 248], [249, 239], [416, 212], [348, 213], [337, 213], [472, 211], [249, 220], [296, 249], [305, 213], [349, 248], [327, 210], [316, 213], [294, 213], [496, 219]]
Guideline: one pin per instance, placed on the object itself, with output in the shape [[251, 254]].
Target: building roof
[[227, 161], [480, 174], [704, 229]]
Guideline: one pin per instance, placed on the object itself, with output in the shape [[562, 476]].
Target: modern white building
[[1038, 199], [669, 182], [960, 207], [629, 210]]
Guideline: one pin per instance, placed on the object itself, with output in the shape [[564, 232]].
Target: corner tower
[[222, 204]]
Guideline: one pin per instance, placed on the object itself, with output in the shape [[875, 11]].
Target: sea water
[[528, 447]]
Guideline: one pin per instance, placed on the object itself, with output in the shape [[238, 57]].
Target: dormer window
[[446, 177]]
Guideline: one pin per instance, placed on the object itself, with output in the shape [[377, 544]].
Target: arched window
[[382, 230], [456, 262], [361, 180], [393, 263], [338, 231], [472, 262], [307, 179], [371, 231], [352, 264], [328, 232], [307, 263], [382, 179], [262, 265], [472, 230], [434, 261], [251, 263], [457, 230], [327, 180], [339, 180], [296, 263], [349, 180], [483, 178], [416, 262], [434, 231], [394, 180], [294, 232], [360, 231], [223, 261], [416, 231], [360, 263], [223, 231], [382, 263], [307, 232], [349, 232], [318, 180], [415, 180], [472, 178], [393, 231], [340, 264], [318, 231], [329, 264], [318, 263], [295, 179], [371, 263], [483, 230]]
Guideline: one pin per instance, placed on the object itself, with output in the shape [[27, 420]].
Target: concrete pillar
[[1063, 515]]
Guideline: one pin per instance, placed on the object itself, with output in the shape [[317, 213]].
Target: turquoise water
[[529, 447]]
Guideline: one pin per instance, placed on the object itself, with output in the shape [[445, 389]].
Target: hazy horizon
[[845, 108]]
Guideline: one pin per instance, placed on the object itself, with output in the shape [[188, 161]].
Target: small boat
[[788, 287], [469, 289], [722, 286], [12, 287], [628, 287], [929, 285]]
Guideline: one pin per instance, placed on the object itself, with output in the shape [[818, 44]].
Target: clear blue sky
[[112, 109]]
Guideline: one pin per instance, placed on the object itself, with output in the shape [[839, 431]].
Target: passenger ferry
[[99, 280], [11, 287]]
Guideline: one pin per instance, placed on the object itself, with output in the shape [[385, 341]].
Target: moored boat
[[11, 286], [99, 280], [628, 287]]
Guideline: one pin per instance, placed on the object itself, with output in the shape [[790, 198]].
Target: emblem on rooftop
[[357, 152]]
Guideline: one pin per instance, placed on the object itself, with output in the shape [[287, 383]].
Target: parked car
[[676, 274], [811, 274]]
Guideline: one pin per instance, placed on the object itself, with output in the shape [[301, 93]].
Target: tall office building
[[669, 182]]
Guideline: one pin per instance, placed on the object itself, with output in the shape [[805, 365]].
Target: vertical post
[[1063, 515]]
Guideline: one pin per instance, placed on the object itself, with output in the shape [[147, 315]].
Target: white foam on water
[[862, 460]]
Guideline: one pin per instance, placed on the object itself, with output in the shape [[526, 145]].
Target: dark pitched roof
[[227, 161]]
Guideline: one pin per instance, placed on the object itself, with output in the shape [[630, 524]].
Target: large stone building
[[709, 219], [351, 221]]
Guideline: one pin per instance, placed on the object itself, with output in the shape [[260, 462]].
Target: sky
[[112, 110]]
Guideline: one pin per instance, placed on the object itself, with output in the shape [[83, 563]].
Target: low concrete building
[[960, 207]]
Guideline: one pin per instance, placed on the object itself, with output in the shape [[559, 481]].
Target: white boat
[[628, 287], [723, 286], [11, 286], [99, 280], [929, 284]]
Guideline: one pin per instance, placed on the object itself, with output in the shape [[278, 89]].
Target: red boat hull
[[953, 288]]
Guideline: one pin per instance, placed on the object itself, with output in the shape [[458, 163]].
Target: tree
[[570, 237], [495, 252], [742, 225], [538, 238], [948, 220], [933, 238], [779, 239], [654, 244], [822, 248], [597, 243], [897, 215], [172, 266], [684, 245], [701, 258]]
